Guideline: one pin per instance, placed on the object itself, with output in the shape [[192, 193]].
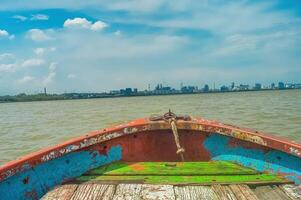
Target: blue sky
[[101, 45]]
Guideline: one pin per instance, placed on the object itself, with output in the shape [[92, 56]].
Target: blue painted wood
[[35, 182], [273, 161]]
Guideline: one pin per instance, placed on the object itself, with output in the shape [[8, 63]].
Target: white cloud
[[83, 23], [99, 25], [49, 78], [20, 17], [3, 33], [39, 17], [11, 67], [37, 35], [51, 75], [33, 62], [41, 51], [71, 76], [77, 23], [117, 33], [227, 18], [26, 79], [52, 66], [5, 56], [8, 62], [133, 5]]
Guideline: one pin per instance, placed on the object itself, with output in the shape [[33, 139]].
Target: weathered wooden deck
[[170, 180], [95, 191]]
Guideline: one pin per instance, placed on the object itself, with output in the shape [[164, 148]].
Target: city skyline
[[101, 45], [160, 89], [182, 88]]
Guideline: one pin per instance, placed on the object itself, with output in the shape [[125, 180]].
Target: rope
[[174, 129]]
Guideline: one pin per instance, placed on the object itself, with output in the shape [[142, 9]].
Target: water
[[29, 126]]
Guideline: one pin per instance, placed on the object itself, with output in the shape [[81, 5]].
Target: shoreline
[[55, 97]]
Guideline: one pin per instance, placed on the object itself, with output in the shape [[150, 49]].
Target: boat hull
[[142, 140]]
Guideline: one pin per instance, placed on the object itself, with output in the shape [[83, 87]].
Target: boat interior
[[218, 180], [150, 168]]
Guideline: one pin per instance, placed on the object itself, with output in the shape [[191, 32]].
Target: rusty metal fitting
[[169, 115]]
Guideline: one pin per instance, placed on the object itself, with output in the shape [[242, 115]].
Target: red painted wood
[[158, 146]]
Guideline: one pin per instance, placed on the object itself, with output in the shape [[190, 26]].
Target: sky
[[102, 45]]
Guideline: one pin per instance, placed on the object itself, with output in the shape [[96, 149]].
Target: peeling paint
[[35, 182], [258, 159], [247, 137], [294, 151]]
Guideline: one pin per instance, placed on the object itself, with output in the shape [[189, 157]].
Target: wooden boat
[[161, 157]]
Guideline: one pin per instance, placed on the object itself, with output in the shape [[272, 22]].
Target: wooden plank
[[243, 192], [127, 192], [280, 193], [94, 191], [62, 192], [194, 193], [293, 191], [248, 193], [172, 168], [157, 192], [237, 192], [268, 192], [224, 192], [175, 180]]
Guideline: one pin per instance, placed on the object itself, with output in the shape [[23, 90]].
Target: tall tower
[[45, 91], [232, 85]]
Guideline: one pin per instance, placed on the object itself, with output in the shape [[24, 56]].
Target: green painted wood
[[172, 168], [221, 179], [179, 173]]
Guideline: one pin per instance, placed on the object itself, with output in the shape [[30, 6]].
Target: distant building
[[281, 85], [206, 88], [289, 85], [135, 91], [297, 85], [243, 87], [115, 92], [257, 86], [189, 89], [232, 86], [224, 88], [163, 90], [273, 86], [126, 91]]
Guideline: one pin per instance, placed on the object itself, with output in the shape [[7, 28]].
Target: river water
[[29, 126]]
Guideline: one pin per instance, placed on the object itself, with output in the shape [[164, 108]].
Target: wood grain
[[270, 192], [224, 192], [194, 193], [157, 192], [63, 192], [293, 191], [127, 192], [94, 192]]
